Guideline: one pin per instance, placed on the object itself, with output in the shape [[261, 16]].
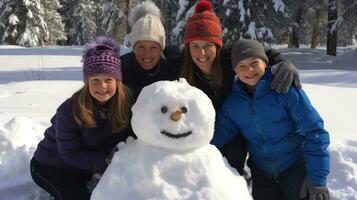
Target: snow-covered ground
[[33, 82]]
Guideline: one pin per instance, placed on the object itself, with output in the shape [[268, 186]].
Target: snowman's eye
[[184, 109], [163, 109]]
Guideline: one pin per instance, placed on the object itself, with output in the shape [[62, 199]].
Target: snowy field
[[33, 82]]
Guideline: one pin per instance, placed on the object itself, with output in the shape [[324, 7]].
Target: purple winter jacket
[[68, 145]]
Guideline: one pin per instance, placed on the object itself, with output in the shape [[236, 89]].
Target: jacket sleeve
[[317, 139], [225, 128], [274, 56], [70, 145]]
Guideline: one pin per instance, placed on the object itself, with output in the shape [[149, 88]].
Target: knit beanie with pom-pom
[[146, 24], [102, 57], [203, 25]]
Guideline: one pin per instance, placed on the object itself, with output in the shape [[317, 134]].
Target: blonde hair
[[188, 69], [119, 108]]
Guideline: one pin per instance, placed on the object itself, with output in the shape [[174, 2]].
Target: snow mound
[[343, 173], [21, 131]]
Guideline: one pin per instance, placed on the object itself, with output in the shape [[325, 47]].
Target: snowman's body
[[172, 157]]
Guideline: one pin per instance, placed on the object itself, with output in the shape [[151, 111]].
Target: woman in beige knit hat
[[146, 64]]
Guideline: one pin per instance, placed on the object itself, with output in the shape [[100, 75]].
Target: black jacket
[[135, 77]]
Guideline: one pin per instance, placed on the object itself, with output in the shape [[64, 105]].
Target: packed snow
[[35, 81], [174, 123]]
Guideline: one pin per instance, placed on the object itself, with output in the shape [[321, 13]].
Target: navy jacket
[[68, 145], [136, 78], [280, 129]]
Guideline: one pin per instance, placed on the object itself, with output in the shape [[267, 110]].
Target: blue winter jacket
[[280, 129]]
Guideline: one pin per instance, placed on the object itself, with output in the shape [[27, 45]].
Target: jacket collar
[[153, 72]]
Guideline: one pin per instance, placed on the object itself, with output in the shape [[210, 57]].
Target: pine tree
[[184, 11], [23, 23], [169, 9], [82, 28], [54, 23], [252, 19], [9, 16], [346, 22], [114, 19], [30, 22]]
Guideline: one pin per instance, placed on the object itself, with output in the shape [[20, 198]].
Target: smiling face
[[147, 53], [250, 70], [203, 54], [102, 87], [173, 115]]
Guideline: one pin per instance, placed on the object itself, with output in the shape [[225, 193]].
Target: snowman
[[172, 158]]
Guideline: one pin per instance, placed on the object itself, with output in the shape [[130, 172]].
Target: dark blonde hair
[[189, 67], [119, 108]]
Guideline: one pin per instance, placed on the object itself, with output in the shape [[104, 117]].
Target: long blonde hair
[[119, 107], [188, 69]]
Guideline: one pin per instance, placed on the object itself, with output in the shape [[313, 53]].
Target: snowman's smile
[[170, 135]]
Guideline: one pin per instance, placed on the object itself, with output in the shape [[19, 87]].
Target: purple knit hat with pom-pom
[[102, 57]]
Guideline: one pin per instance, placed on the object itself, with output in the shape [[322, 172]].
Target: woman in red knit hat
[[205, 68]]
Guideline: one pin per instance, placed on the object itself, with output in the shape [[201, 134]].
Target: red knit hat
[[203, 25]]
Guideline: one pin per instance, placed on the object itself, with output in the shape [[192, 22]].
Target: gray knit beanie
[[246, 48]]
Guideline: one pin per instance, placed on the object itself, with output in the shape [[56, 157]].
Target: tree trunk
[[332, 30], [127, 11], [315, 30], [294, 37]]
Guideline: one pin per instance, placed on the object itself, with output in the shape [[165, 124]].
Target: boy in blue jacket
[[285, 136]]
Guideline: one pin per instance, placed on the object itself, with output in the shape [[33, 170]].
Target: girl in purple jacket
[[86, 127]]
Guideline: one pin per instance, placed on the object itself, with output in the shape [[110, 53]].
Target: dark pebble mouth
[[170, 135]]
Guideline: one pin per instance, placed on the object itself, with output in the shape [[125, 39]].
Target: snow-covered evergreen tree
[[98, 4], [114, 19], [347, 18], [184, 11], [55, 27], [252, 19], [169, 11], [79, 20], [26, 25], [30, 22], [83, 29], [6, 9]]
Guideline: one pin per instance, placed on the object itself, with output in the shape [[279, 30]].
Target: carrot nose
[[175, 116]]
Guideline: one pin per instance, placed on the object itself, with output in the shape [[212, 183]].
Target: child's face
[[102, 87], [250, 70], [203, 54], [147, 53]]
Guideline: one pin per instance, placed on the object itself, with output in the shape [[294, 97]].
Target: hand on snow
[[314, 192], [285, 73]]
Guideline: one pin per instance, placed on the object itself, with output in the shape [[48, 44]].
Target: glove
[[315, 192], [285, 73]]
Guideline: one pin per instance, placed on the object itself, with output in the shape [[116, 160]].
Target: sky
[[35, 81]]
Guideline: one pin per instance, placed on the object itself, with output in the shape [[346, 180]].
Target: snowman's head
[[173, 115]]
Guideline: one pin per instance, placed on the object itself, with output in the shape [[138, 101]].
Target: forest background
[[329, 23]]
